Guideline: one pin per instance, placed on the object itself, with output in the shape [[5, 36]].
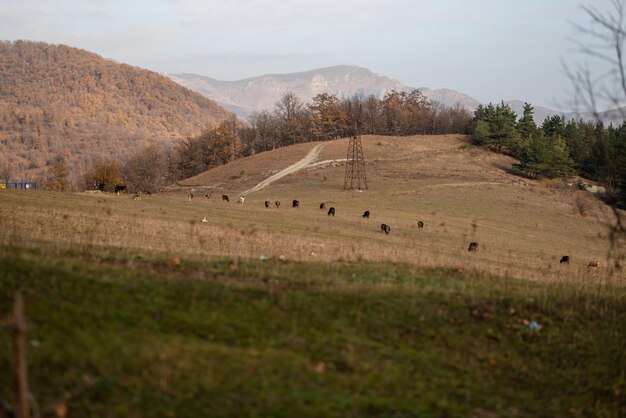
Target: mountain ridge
[[262, 92]]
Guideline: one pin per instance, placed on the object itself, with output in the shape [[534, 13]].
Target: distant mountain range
[[259, 93], [63, 103]]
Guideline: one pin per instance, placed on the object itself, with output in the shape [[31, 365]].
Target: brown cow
[[473, 247], [385, 228], [277, 203], [267, 203], [225, 198], [420, 224]]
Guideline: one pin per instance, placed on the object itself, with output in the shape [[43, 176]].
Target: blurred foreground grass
[[225, 337]]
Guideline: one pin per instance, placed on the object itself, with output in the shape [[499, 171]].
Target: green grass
[[246, 338]]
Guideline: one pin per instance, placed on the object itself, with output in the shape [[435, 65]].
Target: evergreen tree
[[526, 125], [553, 125], [542, 156], [481, 134], [497, 129]]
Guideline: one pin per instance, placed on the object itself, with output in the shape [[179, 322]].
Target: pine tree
[[526, 125]]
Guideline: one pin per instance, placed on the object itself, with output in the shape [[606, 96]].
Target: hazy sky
[[489, 49]]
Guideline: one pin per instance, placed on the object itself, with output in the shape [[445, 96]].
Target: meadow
[[290, 312]]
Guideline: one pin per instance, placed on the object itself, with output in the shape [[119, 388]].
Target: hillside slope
[[62, 102], [462, 193]]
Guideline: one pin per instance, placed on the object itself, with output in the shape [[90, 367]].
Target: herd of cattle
[[473, 246]]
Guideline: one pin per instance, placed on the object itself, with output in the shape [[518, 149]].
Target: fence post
[[19, 356]]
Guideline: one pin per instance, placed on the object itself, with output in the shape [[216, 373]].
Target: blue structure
[[20, 185]]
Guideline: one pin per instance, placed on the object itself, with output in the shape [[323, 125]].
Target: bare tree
[[294, 119], [602, 40]]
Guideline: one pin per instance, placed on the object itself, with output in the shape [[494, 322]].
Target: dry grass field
[[460, 192], [284, 312]]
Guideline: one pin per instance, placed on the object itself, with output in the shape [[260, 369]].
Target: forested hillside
[[62, 103]]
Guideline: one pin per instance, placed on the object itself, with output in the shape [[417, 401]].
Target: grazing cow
[[420, 224], [385, 228], [267, 203], [366, 214], [295, 204], [473, 247], [322, 206], [277, 203], [241, 200], [593, 263], [119, 188], [331, 211], [565, 259], [225, 198]]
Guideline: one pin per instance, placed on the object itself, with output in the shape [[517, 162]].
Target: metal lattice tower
[[355, 165]]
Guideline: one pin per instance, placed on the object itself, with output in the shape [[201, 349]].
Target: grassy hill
[[461, 193], [283, 312], [62, 102]]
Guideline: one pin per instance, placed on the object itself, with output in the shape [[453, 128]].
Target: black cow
[[120, 188], [148, 192], [473, 247], [225, 198], [366, 214], [331, 211], [322, 206], [420, 224], [295, 204], [267, 203], [277, 203], [385, 228], [100, 186], [565, 259], [190, 196]]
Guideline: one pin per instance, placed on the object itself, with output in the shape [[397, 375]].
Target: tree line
[[326, 117], [558, 147], [291, 121]]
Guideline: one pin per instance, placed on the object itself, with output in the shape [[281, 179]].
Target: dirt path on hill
[[474, 183], [303, 163]]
